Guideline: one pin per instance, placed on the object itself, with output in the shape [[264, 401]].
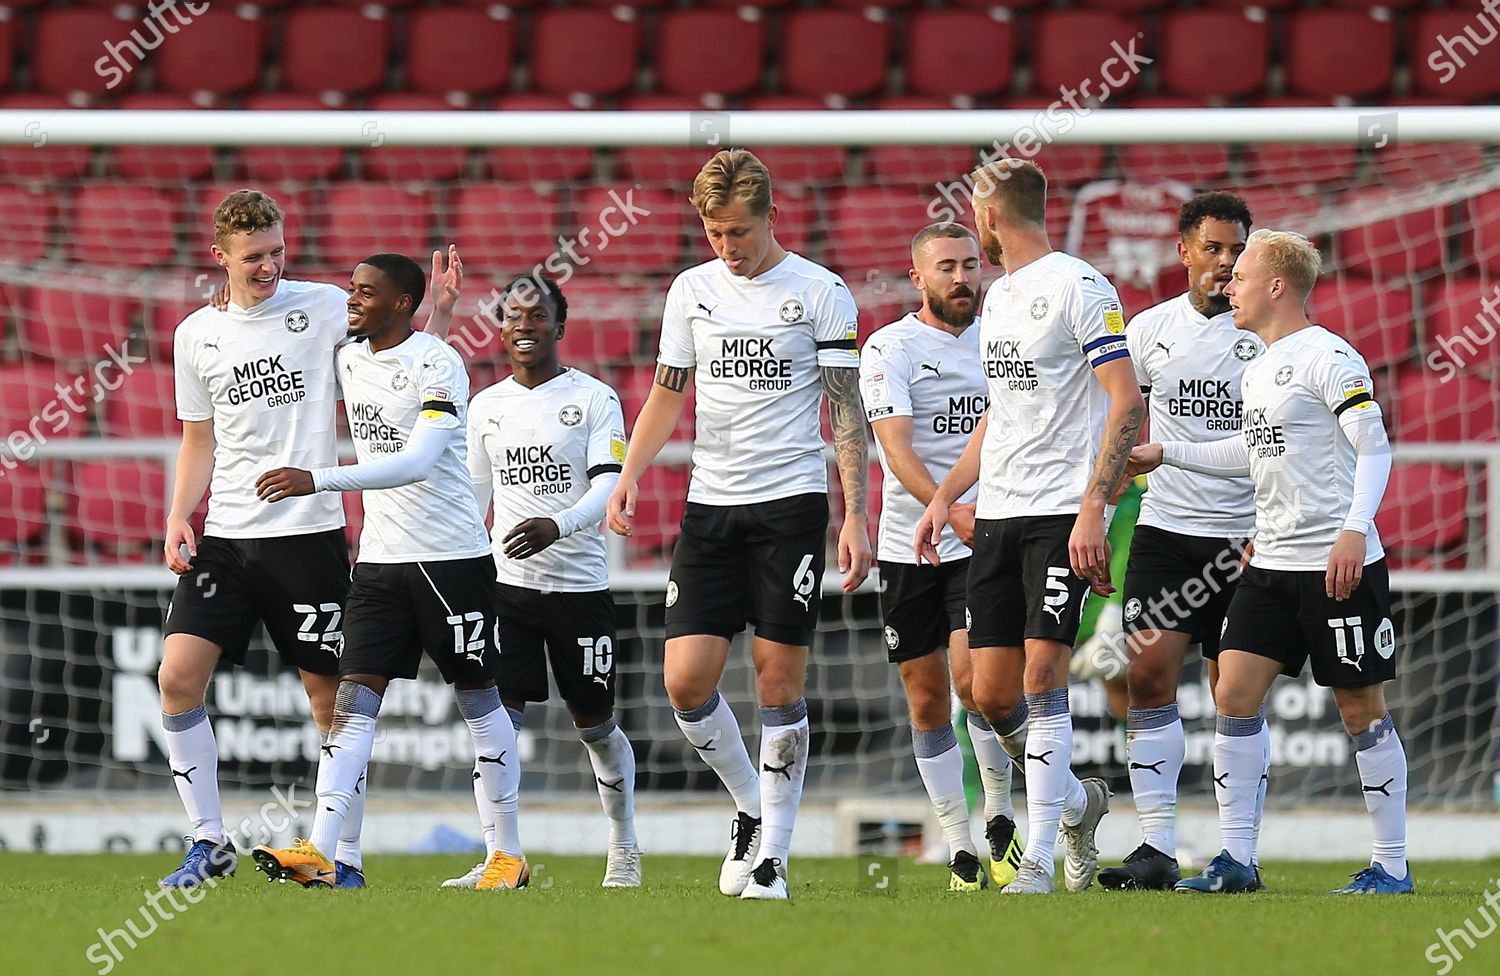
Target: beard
[[950, 312]]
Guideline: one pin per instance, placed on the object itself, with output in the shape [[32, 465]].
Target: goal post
[[1403, 201]]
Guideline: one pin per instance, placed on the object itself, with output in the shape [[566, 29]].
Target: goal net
[[107, 250]]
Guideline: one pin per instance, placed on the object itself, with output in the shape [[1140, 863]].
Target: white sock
[[1382, 775], [486, 814], [1157, 746], [783, 766], [354, 822], [941, 766], [1265, 781], [994, 768], [711, 729], [346, 753], [614, 772], [497, 761], [1237, 771], [1049, 753], [193, 757]]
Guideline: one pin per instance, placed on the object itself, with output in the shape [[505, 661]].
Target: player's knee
[[686, 692], [929, 708], [182, 689], [994, 703], [1149, 685], [1360, 709]]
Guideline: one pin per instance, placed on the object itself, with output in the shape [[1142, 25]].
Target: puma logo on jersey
[[1165, 348], [933, 367], [706, 310], [1154, 767], [212, 345]]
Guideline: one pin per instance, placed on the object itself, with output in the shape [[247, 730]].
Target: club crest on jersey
[[1132, 608], [892, 639], [1039, 309], [297, 321], [570, 416], [1245, 350], [791, 311], [399, 381], [1283, 376], [968, 619], [671, 593]]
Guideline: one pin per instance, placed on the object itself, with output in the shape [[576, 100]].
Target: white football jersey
[[911, 369], [1044, 329], [384, 394], [540, 448], [1189, 367], [1301, 462], [756, 346], [264, 376]]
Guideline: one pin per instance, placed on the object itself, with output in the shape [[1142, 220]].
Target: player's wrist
[[1360, 527]]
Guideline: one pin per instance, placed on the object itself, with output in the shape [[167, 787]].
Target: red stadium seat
[[652, 244], [1297, 163], [1426, 507], [334, 50], [27, 214], [719, 51], [1265, 4], [867, 4], [68, 324], [164, 315], [363, 218], [1484, 214], [925, 165], [1463, 317], [221, 52], [757, 4], [588, 51], [475, 332], [162, 162], [870, 230], [143, 405], [1214, 53], [29, 398], [798, 164], [23, 512], [959, 52], [1447, 61], [1064, 165], [1431, 405], [607, 321], [1274, 205], [1200, 166], [1340, 52], [990, 4], [68, 43], [39, 161], [658, 510], [1375, 316], [634, 385], [264, 164], [1408, 241], [504, 227], [459, 50], [663, 164], [1069, 46], [123, 225], [1413, 164], [882, 300], [416, 163], [798, 217], [7, 49], [119, 505], [833, 52], [551, 163]]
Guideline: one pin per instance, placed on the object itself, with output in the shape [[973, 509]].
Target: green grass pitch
[[678, 923]]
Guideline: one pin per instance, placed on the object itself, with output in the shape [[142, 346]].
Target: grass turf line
[[678, 923]]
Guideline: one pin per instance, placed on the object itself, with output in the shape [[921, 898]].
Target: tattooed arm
[[850, 449], [653, 428], [1087, 548]]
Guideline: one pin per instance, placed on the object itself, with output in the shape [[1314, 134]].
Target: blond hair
[[1288, 255], [733, 176], [1016, 187], [245, 211]]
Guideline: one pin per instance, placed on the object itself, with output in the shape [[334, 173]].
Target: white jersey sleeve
[[884, 379], [836, 327], [193, 400], [677, 347], [606, 447], [1098, 322]]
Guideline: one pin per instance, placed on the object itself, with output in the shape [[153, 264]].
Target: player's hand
[[854, 551], [220, 298], [280, 483], [446, 281], [1346, 564], [1144, 458], [179, 534], [1245, 558], [530, 537], [619, 511], [961, 517], [929, 531], [1088, 551]]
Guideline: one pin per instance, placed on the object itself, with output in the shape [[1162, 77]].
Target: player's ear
[[560, 328], [1182, 252]]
